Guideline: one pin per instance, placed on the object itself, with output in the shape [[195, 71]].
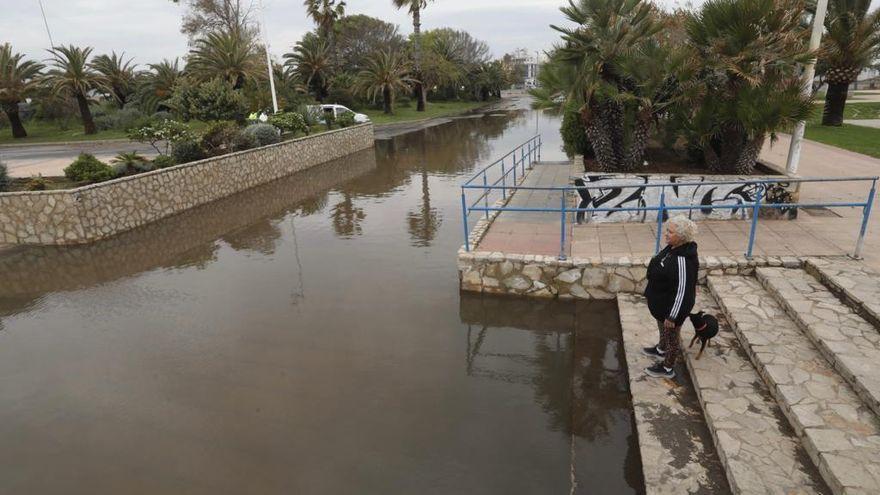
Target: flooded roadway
[[308, 336]]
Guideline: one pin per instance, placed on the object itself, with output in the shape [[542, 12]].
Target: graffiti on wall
[[633, 192]]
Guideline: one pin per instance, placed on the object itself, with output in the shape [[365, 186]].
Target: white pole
[[46, 23], [794, 150], [268, 58]]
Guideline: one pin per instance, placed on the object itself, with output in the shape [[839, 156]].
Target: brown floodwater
[[308, 337]]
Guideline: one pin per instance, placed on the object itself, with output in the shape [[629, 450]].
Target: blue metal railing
[[761, 185]]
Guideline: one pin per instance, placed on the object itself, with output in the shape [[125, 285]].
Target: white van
[[338, 110]]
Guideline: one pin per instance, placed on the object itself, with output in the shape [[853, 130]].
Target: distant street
[[50, 159]]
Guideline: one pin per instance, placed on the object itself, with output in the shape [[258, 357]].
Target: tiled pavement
[[814, 233]]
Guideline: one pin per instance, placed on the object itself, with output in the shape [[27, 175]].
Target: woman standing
[[671, 291]]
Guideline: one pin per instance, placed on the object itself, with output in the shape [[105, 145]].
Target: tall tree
[[118, 74], [19, 79], [225, 55], [415, 9], [226, 16], [386, 74], [621, 76], [359, 37], [326, 13], [851, 43], [310, 60], [751, 52], [72, 75]]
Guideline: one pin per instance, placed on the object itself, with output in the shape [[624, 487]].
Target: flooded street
[[308, 337]]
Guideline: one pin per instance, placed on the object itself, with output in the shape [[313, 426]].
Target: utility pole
[[268, 58], [797, 137], [46, 23]]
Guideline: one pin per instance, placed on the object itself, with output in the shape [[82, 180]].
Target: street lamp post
[[797, 137], [268, 58]]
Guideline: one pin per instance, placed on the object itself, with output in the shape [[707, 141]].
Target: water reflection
[[574, 365], [303, 337], [246, 221]]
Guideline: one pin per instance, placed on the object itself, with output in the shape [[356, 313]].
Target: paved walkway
[[815, 233], [864, 122], [50, 159]]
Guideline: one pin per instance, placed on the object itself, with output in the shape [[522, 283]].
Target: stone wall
[[630, 191], [595, 278], [97, 211]]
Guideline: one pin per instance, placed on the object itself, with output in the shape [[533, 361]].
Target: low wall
[[628, 191], [594, 278], [93, 212]]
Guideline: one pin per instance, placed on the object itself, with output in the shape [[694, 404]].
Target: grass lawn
[[50, 132], [434, 109], [865, 140]]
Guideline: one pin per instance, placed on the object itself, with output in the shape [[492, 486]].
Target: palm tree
[[158, 84], [19, 78], [325, 13], [228, 56], [622, 77], [386, 74], [310, 60], [415, 9], [73, 76], [851, 43], [118, 74], [752, 51]]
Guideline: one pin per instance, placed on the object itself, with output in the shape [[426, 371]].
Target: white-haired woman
[[671, 291]]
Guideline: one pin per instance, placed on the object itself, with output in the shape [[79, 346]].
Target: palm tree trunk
[[417, 59], [748, 155], [11, 111], [835, 102], [386, 101], [86, 114]]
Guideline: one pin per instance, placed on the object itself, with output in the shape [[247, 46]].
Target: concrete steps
[[678, 456], [852, 281], [839, 432], [759, 452], [849, 343]]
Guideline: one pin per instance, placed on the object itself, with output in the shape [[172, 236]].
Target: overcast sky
[[149, 30]]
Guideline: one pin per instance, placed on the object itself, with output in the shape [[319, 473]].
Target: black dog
[[705, 327]]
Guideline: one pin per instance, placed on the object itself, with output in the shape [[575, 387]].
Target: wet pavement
[[308, 336]]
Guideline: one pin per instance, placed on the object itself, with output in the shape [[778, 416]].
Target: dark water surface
[[308, 336]]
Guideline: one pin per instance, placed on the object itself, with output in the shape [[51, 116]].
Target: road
[[50, 159]]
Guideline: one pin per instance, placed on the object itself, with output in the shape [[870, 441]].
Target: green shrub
[[36, 183], [289, 122], [329, 118], [4, 177], [163, 161], [130, 163], [121, 119], [167, 132], [346, 120], [574, 137], [187, 151], [161, 116], [209, 101], [88, 168], [225, 137], [263, 133]]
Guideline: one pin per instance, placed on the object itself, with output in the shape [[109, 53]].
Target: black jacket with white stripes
[[672, 282]]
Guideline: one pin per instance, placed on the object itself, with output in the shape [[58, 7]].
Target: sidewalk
[[814, 233]]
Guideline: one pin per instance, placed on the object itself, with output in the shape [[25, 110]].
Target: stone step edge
[[681, 459], [738, 479], [844, 294], [855, 382], [811, 448]]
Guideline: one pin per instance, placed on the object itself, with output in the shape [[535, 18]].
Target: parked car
[[318, 112]]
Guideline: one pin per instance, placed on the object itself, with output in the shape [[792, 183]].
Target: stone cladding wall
[[594, 278], [102, 210]]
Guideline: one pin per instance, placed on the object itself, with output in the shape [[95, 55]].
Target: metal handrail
[[534, 144]]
